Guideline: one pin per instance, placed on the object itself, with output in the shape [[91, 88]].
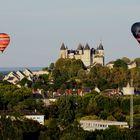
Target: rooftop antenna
[[131, 107], [131, 111]]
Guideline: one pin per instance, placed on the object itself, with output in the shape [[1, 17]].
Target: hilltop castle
[[89, 56]]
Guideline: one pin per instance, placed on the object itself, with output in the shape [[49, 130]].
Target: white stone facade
[[37, 73], [92, 125], [88, 56], [38, 118], [128, 90]]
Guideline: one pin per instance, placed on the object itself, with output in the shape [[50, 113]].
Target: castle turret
[[80, 49], [87, 55], [99, 55], [63, 51], [100, 50]]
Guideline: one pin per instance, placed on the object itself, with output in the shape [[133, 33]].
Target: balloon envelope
[[4, 41], [135, 29]]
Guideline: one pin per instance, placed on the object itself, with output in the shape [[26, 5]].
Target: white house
[[92, 125], [38, 118], [20, 74], [12, 77], [37, 73], [132, 64], [15, 77], [110, 65], [128, 90], [32, 116], [27, 72]]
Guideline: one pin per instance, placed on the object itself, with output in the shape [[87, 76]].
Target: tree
[[73, 132], [81, 74], [137, 60], [119, 77], [51, 66], [52, 132], [120, 63], [66, 109], [9, 130], [135, 74], [125, 59], [25, 82]]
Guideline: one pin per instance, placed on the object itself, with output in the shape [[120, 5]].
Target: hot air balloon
[[4, 41], [135, 29]]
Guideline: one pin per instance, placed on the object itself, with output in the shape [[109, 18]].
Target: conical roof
[[100, 47], [62, 47], [80, 47], [87, 47]]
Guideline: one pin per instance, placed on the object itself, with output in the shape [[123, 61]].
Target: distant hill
[[6, 70]]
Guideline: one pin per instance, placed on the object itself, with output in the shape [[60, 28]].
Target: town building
[[35, 117], [12, 77], [128, 90], [92, 125], [25, 114], [41, 72], [130, 65], [89, 56], [16, 77], [110, 64]]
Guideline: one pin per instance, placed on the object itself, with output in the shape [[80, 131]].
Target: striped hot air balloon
[[4, 41]]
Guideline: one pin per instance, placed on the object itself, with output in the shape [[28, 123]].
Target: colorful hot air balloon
[[4, 41], [135, 29]]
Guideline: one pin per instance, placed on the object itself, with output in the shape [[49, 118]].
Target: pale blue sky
[[38, 28]]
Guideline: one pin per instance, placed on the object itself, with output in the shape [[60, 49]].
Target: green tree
[[120, 63], [137, 60], [126, 60], [51, 66], [73, 131], [66, 109], [119, 77], [25, 82], [135, 74]]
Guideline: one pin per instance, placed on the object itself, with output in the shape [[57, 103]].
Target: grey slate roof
[[80, 47], [87, 47], [62, 47], [100, 47]]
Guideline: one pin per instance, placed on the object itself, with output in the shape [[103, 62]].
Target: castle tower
[[66, 51], [80, 49], [99, 55], [63, 51], [101, 50], [87, 56]]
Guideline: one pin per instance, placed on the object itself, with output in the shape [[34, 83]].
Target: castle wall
[[78, 56], [98, 60], [71, 55], [63, 54], [86, 56], [101, 52]]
